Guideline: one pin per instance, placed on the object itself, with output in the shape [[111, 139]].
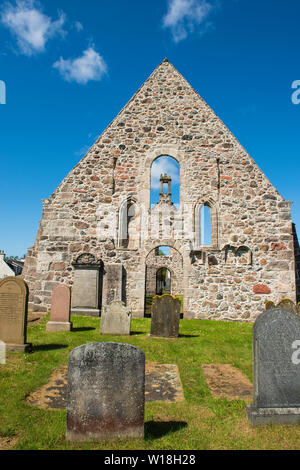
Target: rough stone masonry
[[101, 212]]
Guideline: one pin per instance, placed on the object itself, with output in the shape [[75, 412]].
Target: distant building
[[16, 265], [5, 269]]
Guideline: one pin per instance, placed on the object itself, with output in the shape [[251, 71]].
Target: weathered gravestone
[[113, 283], [276, 369], [115, 319], [60, 309], [86, 291], [165, 316], [106, 392], [13, 313]]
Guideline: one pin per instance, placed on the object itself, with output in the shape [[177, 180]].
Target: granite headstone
[[86, 290], [165, 316], [276, 369], [106, 392], [115, 319], [13, 313], [113, 283]]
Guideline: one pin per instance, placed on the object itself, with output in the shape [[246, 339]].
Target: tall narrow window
[[129, 225], [205, 226]]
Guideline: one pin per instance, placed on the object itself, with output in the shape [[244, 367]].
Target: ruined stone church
[[100, 235]]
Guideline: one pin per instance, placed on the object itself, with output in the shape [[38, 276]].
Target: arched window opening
[[129, 225], [165, 181], [205, 226], [163, 281]]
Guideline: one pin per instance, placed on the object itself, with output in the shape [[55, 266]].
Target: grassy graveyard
[[199, 422]]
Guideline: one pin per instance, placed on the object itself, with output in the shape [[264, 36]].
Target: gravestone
[[276, 369], [60, 309], [113, 283], [106, 392], [86, 291], [13, 313], [165, 316], [115, 319]]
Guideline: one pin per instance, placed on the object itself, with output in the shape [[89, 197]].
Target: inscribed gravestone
[[276, 369], [60, 309], [165, 316], [85, 296], [86, 291], [106, 392], [115, 319], [13, 313], [113, 283]]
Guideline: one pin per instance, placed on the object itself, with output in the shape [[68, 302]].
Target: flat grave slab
[[226, 381], [162, 383]]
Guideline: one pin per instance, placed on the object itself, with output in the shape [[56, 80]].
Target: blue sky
[[70, 66]]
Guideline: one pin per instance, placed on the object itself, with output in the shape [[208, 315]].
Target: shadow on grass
[[47, 347], [188, 336], [83, 328], [138, 332], [157, 429]]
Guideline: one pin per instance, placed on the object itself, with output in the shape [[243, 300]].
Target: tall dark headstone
[[13, 313], [276, 369], [165, 316], [113, 283], [106, 392]]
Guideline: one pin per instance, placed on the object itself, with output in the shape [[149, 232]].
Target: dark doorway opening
[[163, 281]]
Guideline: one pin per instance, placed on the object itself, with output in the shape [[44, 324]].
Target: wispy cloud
[[78, 26], [89, 66], [164, 165], [184, 15], [30, 26]]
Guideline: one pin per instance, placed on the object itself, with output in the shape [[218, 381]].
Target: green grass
[[198, 422]]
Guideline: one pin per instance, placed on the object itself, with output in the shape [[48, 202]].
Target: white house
[[5, 270]]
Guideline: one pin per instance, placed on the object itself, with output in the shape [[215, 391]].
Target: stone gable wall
[[167, 117]]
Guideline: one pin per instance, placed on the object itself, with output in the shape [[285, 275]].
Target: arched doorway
[[163, 281], [164, 274]]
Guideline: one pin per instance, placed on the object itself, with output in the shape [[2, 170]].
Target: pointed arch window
[[129, 225], [206, 233]]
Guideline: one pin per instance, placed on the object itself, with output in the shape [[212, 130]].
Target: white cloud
[[184, 15], [164, 165], [90, 66], [31, 27], [78, 26]]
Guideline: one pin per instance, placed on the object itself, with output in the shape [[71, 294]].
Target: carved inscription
[[9, 306]]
